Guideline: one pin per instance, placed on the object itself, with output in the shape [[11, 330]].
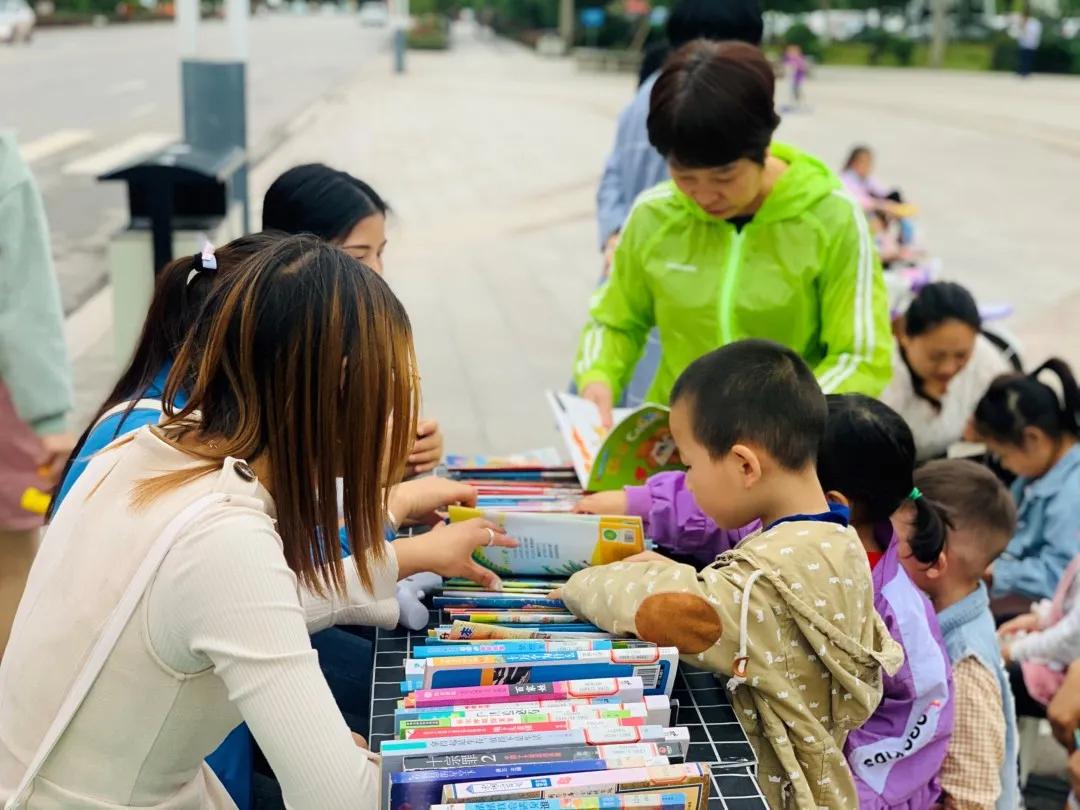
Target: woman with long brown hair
[[164, 605]]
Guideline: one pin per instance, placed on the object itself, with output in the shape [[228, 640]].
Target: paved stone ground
[[490, 157]]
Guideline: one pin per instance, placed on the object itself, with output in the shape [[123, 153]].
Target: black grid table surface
[[716, 738]]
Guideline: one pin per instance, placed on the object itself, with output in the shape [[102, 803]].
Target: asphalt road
[[84, 99]]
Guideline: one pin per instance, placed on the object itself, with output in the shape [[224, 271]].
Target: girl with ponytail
[[1033, 427], [867, 463]]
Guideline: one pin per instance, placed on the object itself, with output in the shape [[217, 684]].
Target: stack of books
[[532, 482], [502, 712]]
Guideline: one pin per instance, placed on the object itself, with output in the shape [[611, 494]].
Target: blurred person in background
[[35, 376], [634, 165], [1028, 38]]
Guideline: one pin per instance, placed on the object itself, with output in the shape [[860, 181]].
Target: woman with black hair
[[348, 213], [1033, 428], [941, 367], [332, 205]]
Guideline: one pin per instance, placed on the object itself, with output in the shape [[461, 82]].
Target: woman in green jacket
[[750, 238]]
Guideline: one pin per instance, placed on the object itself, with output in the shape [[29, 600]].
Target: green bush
[[1055, 55], [431, 32], [801, 35], [904, 51], [886, 48]]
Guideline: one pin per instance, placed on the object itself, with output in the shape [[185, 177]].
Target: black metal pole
[[161, 214]]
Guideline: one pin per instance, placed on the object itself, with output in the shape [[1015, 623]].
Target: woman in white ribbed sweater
[[164, 605]]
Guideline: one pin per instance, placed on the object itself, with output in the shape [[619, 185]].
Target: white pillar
[[187, 27], [236, 21]]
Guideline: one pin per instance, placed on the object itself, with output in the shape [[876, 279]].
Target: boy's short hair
[[758, 392], [713, 105], [976, 501]]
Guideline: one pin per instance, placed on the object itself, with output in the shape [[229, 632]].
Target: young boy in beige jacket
[[788, 615]]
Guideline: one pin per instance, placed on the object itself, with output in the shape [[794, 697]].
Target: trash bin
[[177, 198]]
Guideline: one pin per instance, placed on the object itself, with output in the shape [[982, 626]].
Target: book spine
[[625, 777], [631, 801], [626, 690], [520, 728], [593, 736], [568, 754]]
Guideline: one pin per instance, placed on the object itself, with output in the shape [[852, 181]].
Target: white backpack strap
[[105, 643], [139, 405]]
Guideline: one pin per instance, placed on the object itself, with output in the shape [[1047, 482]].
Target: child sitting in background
[[1038, 647], [865, 462], [788, 614], [1035, 433], [980, 769]]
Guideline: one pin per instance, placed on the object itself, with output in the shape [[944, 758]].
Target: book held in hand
[[637, 446], [554, 544]]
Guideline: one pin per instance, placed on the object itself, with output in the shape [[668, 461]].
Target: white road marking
[[129, 86], [54, 143], [136, 146], [143, 110]]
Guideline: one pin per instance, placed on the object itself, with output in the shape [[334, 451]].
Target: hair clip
[[206, 260]]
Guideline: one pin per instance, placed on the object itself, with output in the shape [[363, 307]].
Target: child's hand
[[603, 503], [419, 501], [1026, 623], [648, 556], [555, 594], [1064, 710], [428, 450]]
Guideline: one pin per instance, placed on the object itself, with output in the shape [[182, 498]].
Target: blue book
[[631, 801], [507, 602], [419, 790], [511, 646], [656, 666]]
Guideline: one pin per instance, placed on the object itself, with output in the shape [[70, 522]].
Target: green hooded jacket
[[803, 272]]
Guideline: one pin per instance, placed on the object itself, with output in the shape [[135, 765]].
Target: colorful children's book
[[639, 445], [513, 646], [559, 545], [512, 617], [419, 790], [611, 690], [626, 801], [505, 602], [465, 630], [508, 585], [692, 779], [656, 666], [655, 710], [567, 754], [394, 752], [538, 458], [447, 732]]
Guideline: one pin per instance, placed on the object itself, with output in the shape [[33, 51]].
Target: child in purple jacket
[[866, 463]]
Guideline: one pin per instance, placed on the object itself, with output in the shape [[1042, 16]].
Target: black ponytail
[[1018, 401], [868, 455]]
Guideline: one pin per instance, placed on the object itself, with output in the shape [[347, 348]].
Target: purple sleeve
[[674, 521]]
